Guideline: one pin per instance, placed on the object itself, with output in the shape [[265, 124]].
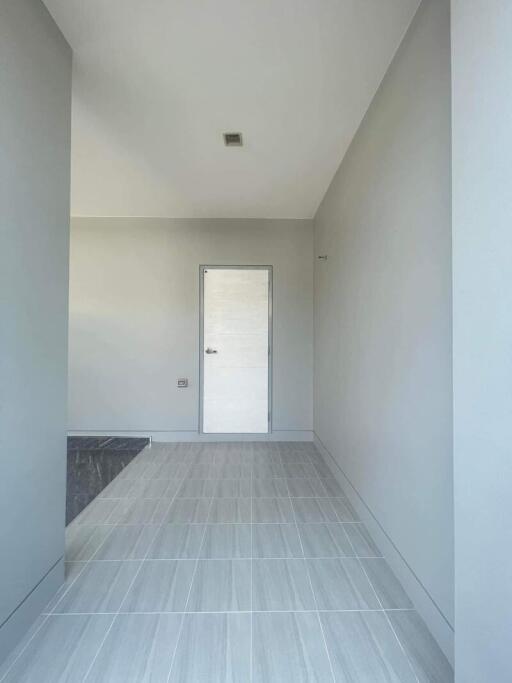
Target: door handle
[[209, 350]]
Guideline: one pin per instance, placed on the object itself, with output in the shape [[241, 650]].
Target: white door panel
[[236, 382], [240, 350], [236, 417], [235, 391]]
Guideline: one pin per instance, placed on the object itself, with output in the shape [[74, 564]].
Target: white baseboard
[[194, 436], [436, 621], [22, 618]]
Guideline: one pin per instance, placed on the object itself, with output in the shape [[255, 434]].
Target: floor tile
[[332, 487], [100, 587], [203, 456], [267, 471], [72, 571], [196, 488], [231, 460], [281, 585], [20, 646], [289, 648], [149, 488], [82, 540], [128, 475], [294, 457], [166, 470], [299, 470], [140, 511], [172, 488], [230, 511], [322, 470], [160, 586], [149, 471], [199, 471], [269, 488], [213, 648], [325, 540], [138, 648], [386, 585], [127, 543], [232, 488], [341, 585], [313, 510], [98, 512], [267, 459], [221, 586], [344, 510], [118, 488], [427, 659], [363, 648], [182, 470], [271, 510], [227, 541], [361, 540], [275, 540], [177, 542], [305, 488], [61, 651], [187, 511], [229, 471]]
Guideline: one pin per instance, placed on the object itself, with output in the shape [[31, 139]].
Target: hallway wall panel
[[482, 326], [35, 121], [383, 371]]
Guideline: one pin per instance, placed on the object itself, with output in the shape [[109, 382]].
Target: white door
[[236, 307]]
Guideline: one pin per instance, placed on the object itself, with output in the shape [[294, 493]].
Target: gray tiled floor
[[226, 562]]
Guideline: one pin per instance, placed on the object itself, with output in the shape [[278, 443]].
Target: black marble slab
[[93, 462]]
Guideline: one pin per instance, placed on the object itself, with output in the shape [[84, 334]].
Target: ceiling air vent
[[233, 139]]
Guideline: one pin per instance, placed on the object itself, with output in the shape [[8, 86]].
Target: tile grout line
[[381, 604], [130, 585], [223, 559], [258, 611], [311, 588], [131, 498], [116, 524], [180, 631]]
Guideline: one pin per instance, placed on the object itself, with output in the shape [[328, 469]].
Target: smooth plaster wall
[[482, 312], [383, 342], [134, 318], [35, 87]]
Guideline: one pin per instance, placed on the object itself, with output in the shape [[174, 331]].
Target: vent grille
[[233, 139]]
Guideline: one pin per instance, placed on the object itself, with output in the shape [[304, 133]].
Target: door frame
[[202, 269]]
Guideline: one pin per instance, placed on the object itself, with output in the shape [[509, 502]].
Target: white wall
[[35, 87], [383, 386], [134, 318], [482, 289]]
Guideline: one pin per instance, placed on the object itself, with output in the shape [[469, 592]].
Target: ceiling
[[157, 83]]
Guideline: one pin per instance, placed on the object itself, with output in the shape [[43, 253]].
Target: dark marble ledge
[[92, 463], [115, 443]]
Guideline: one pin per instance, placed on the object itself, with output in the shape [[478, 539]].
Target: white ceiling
[[157, 82]]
